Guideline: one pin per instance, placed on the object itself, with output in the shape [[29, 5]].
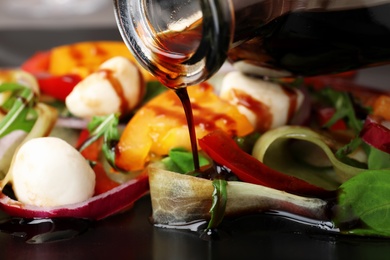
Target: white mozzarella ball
[[117, 86], [129, 77], [93, 96], [47, 172], [249, 93]]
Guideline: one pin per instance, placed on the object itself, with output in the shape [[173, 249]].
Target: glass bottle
[[184, 42]]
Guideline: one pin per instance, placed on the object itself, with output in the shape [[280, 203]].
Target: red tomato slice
[[58, 87], [103, 182], [376, 134], [38, 63], [325, 114]]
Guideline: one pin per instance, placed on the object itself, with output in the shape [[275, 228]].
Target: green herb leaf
[[181, 161], [170, 165], [343, 152], [365, 200], [341, 101], [218, 207], [106, 126], [19, 107], [377, 159]]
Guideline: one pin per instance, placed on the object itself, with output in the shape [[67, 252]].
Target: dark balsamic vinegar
[[42, 230], [46, 230], [182, 93], [173, 52], [308, 43]]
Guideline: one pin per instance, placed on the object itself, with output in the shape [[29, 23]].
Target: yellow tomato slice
[[161, 125], [381, 107], [85, 57]]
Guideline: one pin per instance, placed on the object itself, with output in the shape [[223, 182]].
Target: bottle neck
[[181, 43]]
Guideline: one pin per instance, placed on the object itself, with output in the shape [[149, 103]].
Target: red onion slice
[[376, 135], [302, 116], [95, 208]]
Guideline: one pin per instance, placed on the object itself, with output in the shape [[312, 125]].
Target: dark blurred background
[[22, 33]]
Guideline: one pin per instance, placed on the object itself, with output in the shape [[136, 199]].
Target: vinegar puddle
[[321, 224], [223, 231], [193, 226], [46, 230]]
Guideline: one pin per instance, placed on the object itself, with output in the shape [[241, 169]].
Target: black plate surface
[[130, 235]]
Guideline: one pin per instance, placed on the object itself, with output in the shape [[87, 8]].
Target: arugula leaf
[[343, 152], [106, 126], [19, 107], [218, 207], [376, 159], [365, 201], [180, 160], [348, 148], [22, 111], [345, 109]]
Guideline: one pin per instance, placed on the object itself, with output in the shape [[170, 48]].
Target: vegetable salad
[[315, 147]]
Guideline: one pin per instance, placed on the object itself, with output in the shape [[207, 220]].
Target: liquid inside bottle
[[318, 41]]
